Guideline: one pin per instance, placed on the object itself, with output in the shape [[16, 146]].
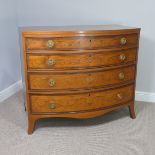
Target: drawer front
[[71, 43], [78, 102], [62, 61], [53, 81]]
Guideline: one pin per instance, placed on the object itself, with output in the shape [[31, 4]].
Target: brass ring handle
[[120, 96], [122, 57], [50, 43], [51, 62], [52, 105], [121, 76], [123, 41], [51, 83]]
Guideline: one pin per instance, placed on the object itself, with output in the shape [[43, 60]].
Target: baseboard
[[4, 94], [145, 96]]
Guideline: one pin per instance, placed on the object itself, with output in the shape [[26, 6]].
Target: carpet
[[112, 134]]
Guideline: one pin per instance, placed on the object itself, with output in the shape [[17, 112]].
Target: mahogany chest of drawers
[[78, 71]]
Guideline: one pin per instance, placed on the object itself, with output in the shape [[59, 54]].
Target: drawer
[[80, 102], [74, 60], [70, 43], [74, 80]]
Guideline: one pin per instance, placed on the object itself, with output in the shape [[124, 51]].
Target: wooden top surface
[[81, 30], [76, 28]]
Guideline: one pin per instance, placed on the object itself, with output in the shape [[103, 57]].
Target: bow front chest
[[78, 71]]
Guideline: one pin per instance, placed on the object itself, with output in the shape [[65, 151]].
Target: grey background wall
[[83, 12], [9, 47]]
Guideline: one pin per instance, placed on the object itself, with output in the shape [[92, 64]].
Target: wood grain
[[80, 80], [80, 102], [80, 60], [70, 43], [80, 30]]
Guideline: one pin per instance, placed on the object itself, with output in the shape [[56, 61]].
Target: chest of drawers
[[78, 71]]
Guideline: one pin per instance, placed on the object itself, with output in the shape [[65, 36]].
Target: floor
[[112, 134]]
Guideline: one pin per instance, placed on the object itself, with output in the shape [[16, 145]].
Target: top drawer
[[73, 43]]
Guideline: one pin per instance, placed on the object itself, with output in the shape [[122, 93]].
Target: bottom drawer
[[80, 102]]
